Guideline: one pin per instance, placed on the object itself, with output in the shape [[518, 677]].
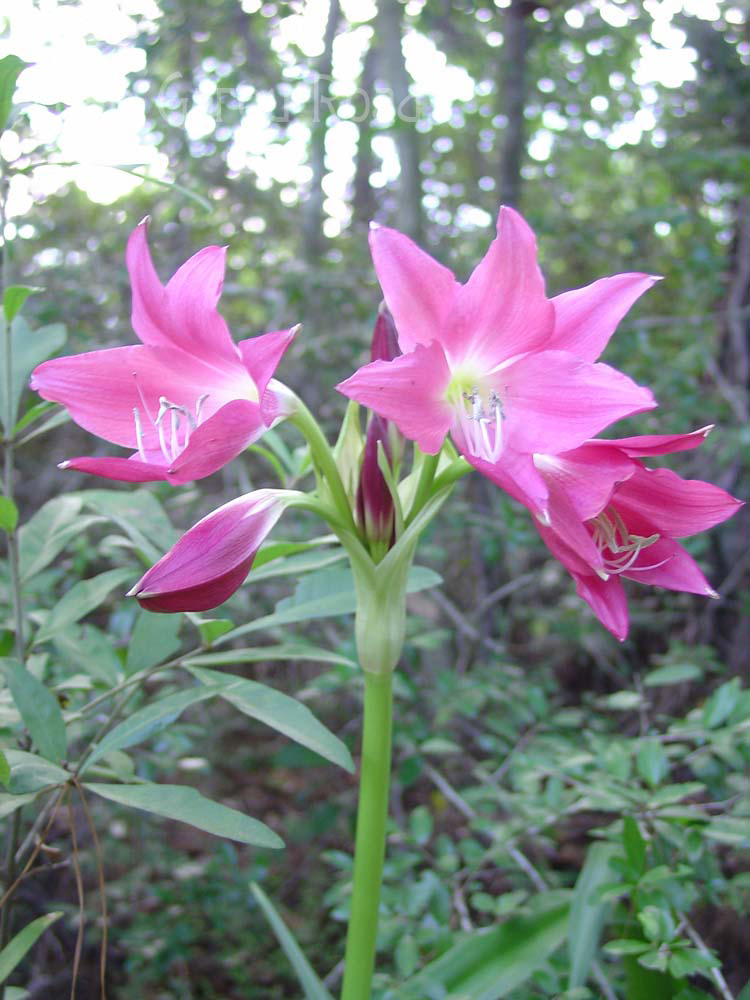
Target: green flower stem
[[424, 486], [323, 459], [369, 850]]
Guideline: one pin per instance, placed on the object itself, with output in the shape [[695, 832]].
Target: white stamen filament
[[172, 448], [610, 533], [483, 428], [139, 434]]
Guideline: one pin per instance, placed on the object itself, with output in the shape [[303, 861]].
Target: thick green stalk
[[369, 851]]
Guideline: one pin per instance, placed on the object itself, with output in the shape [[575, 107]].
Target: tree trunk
[[312, 216], [390, 28], [364, 196], [513, 100]]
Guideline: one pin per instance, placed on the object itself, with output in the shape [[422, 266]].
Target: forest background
[[621, 130]]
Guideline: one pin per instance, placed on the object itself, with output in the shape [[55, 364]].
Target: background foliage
[[539, 764]]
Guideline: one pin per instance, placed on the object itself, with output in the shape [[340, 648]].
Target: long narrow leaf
[[312, 986], [39, 709], [147, 721], [284, 714], [15, 950], [587, 915], [488, 964], [187, 805]]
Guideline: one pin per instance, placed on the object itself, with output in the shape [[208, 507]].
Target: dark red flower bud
[[384, 337], [375, 513]]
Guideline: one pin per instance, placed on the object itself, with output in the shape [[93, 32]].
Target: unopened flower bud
[[375, 512], [384, 337]]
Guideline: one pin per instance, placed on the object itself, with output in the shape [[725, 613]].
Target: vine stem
[[369, 850]]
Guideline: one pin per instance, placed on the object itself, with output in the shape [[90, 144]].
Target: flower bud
[[384, 337], [375, 512]]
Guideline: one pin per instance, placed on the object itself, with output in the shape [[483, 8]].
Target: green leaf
[[635, 845], [324, 594], [15, 950], [212, 628], [29, 348], [489, 963], [689, 961], [87, 648], [138, 514], [81, 599], [39, 709], [719, 706], [626, 946], [144, 723], [31, 773], [732, 830], [277, 549], [187, 805], [675, 673], [34, 413], [10, 67], [14, 298], [48, 532], [296, 565], [9, 803], [4, 770], [652, 762], [311, 985], [263, 654], [587, 914], [153, 640], [8, 515], [280, 712]]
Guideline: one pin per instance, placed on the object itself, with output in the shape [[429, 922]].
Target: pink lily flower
[[187, 399], [610, 516], [507, 371], [211, 560]]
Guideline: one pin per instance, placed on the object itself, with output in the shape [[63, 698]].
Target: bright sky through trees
[[82, 55]]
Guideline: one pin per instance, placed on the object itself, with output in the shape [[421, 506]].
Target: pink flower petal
[[553, 402], [149, 297], [587, 475], [608, 602], [409, 391], [568, 526], [418, 291], [210, 561], [261, 355], [126, 470], [667, 564], [514, 473], [101, 389], [674, 506], [192, 295], [585, 318], [657, 444], [502, 310], [572, 560], [218, 440]]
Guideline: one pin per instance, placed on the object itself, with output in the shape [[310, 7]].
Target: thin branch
[[79, 890], [715, 973]]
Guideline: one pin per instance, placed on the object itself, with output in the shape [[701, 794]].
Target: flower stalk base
[[369, 851]]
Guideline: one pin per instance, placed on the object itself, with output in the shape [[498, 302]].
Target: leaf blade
[[313, 988], [186, 805], [39, 709]]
